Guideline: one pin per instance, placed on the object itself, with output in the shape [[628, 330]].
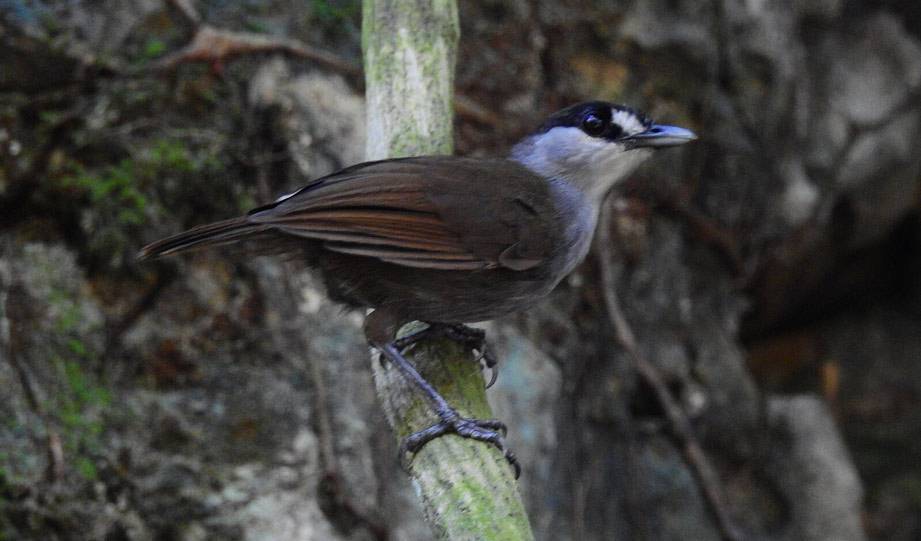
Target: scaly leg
[[489, 431]]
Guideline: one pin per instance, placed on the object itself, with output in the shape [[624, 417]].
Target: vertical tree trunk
[[467, 488]]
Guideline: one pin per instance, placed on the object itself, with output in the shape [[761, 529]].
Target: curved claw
[[493, 376], [487, 363]]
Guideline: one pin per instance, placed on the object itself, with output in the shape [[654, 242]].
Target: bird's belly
[[484, 302], [438, 295]]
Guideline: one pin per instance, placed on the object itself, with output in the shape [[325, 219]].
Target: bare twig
[[17, 310], [334, 500], [678, 423], [215, 46], [471, 110], [710, 232]]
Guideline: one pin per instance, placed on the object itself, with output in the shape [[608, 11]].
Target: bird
[[449, 240]]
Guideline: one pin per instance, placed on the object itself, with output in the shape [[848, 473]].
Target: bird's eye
[[593, 124]]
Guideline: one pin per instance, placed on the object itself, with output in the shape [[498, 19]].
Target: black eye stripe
[[614, 131], [575, 116]]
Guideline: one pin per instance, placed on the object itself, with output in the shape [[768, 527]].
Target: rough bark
[[410, 49]]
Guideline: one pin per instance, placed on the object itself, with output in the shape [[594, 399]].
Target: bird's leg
[[489, 430], [458, 332]]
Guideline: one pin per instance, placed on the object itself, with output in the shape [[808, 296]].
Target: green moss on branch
[[467, 488]]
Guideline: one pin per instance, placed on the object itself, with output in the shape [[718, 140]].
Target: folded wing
[[421, 212]]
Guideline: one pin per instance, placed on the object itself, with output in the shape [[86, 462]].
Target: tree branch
[[678, 423], [467, 487], [216, 46]]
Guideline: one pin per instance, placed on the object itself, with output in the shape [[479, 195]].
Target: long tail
[[201, 236]]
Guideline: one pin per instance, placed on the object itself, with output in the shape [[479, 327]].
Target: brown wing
[[440, 213]]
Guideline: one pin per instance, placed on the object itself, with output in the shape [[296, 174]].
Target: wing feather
[[391, 211]]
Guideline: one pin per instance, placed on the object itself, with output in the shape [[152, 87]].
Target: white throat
[[590, 164]]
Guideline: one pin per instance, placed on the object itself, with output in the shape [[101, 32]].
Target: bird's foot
[[450, 422], [462, 334], [486, 430]]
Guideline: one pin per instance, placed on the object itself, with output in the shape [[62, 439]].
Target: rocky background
[[771, 273]]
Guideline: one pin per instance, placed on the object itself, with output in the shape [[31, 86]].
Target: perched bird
[[449, 240]]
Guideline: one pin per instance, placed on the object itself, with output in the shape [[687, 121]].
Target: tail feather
[[201, 236]]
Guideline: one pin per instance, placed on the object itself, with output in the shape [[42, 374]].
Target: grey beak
[[659, 135]]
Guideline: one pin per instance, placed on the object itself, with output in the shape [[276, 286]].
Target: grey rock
[[815, 470]]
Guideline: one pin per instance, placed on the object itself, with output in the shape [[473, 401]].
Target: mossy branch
[[467, 488]]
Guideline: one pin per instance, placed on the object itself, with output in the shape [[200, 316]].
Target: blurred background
[[770, 271]]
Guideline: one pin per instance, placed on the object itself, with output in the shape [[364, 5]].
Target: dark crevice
[[342, 513], [858, 279]]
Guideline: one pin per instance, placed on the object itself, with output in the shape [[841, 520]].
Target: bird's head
[[595, 144]]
